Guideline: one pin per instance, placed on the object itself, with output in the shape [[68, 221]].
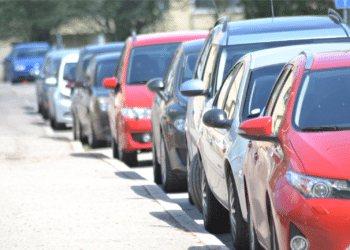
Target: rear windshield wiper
[[323, 128]]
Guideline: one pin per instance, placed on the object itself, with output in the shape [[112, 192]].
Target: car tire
[[215, 216], [129, 158], [169, 180], [92, 140], [194, 183], [157, 174], [75, 128], [190, 198], [115, 151], [238, 226], [82, 137], [273, 235], [253, 241]]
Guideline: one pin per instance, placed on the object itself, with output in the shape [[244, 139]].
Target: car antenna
[[273, 14]]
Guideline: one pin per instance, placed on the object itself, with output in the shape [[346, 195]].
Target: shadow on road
[[129, 175]]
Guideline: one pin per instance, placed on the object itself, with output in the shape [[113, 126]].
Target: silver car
[[59, 94], [243, 95]]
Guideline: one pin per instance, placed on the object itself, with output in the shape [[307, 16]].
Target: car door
[[215, 140]]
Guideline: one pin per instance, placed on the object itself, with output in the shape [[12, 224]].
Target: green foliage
[[262, 8]]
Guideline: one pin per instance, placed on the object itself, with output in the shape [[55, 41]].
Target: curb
[[209, 240]]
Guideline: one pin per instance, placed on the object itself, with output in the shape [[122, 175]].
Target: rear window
[[104, 69], [147, 62]]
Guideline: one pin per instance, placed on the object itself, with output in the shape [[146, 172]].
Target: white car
[[59, 95]]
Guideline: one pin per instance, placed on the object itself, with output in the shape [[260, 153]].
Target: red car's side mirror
[[110, 82], [258, 129]]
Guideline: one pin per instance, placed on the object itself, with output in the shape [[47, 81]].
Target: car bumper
[[22, 76], [324, 223], [63, 111], [132, 133]]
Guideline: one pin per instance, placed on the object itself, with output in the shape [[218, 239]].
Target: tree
[[119, 18], [262, 8]]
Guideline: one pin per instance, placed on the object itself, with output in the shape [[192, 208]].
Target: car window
[[209, 67], [202, 60], [221, 95], [323, 99], [104, 69], [30, 53], [189, 65], [148, 62], [120, 65], [170, 75], [261, 82], [279, 109], [69, 69], [231, 100]]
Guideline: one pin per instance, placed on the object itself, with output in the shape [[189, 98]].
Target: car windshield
[[104, 69], [31, 53], [69, 69], [323, 102], [260, 85], [147, 62], [190, 64]]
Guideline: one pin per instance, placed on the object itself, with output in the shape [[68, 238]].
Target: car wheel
[[215, 216], [189, 184], [129, 158], [253, 241], [157, 175], [237, 224], [194, 183], [169, 180], [92, 140], [75, 128], [273, 235], [82, 136], [115, 150]]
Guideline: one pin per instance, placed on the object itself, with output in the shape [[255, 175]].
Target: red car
[[297, 165], [143, 58]]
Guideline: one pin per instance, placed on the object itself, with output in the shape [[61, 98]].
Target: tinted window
[[323, 99], [190, 64], [260, 85], [147, 62], [104, 69], [30, 53], [69, 69]]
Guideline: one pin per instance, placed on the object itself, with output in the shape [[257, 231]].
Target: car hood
[[138, 96], [325, 154]]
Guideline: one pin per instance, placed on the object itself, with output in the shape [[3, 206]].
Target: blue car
[[24, 61]]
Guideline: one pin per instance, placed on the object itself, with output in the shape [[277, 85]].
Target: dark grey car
[[91, 122], [168, 118]]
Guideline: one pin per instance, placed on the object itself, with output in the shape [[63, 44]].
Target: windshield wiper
[[321, 128], [137, 82]]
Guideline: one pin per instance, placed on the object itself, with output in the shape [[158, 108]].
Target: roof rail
[[133, 34], [222, 20], [334, 16]]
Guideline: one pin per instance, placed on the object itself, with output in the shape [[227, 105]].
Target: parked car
[[227, 42], [23, 59], [144, 57], [47, 78], [86, 55], [91, 107], [296, 167], [243, 95], [58, 93], [168, 118]]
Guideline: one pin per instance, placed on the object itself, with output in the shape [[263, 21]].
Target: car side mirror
[[155, 85], [217, 118], [51, 81], [110, 82], [193, 87], [258, 129]]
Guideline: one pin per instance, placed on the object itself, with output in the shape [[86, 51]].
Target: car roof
[[168, 37], [71, 57], [193, 46], [107, 56], [62, 52], [284, 54], [280, 29], [103, 47], [331, 59], [32, 45]]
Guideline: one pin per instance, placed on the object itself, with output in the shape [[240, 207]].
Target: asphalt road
[[37, 162]]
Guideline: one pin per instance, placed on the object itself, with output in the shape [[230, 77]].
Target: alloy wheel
[[163, 161]]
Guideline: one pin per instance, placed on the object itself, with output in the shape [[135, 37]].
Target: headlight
[[137, 113], [103, 103], [315, 187], [19, 67], [179, 123]]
